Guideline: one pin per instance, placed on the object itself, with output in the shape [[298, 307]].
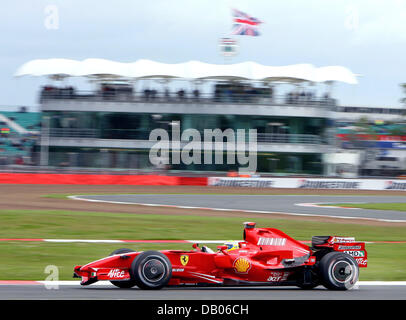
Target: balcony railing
[[71, 132], [188, 98], [133, 134], [289, 138]]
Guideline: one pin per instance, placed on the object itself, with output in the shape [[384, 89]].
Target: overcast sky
[[368, 37]]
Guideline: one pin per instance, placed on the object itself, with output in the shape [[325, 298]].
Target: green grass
[[385, 262], [394, 206], [27, 260], [102, 225]]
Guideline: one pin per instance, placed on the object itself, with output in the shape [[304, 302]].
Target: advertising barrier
[[99, 179], [291, 183], [375, 144], [311, 183]]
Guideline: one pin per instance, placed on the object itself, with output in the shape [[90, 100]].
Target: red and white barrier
[[291, 183], [311, 183], [99, 179]]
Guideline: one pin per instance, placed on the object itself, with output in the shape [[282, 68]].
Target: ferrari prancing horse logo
[[184, 259]]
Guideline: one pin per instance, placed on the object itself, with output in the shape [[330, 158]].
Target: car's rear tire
[[338, 271], [151, 270], [124, 284]]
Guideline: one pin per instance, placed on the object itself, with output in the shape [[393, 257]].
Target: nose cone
[[84, 268]]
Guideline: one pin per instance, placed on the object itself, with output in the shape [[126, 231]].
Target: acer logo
[[116, 273], [276, 276]]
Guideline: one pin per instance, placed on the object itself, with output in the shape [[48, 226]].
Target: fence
[[208, 98], [134, 134]]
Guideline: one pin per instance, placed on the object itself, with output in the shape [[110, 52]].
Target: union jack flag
[[244, 24]]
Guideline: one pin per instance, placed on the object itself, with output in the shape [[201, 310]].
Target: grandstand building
[[377, 134], [19, 132], [109, 126], [351, 114]]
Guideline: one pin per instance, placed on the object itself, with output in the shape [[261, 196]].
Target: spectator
[[271, 94], [181, 94], [147, 94], [153, 94], [196, 94], [167, 94]]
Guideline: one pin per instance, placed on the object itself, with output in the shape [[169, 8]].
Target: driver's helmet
[[232, 245]]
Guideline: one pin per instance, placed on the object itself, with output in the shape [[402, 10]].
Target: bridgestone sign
[[300, 183], [254, 183], [315, 184]]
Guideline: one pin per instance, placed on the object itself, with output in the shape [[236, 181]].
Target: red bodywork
[[266, 256]]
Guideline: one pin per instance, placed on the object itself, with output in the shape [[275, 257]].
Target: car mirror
[[222, 248]]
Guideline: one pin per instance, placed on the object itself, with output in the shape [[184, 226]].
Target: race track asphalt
[[287, 204], [100, 292]]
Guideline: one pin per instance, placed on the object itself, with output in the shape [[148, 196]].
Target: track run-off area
[[293, 205], [61, 290], [190, 201]]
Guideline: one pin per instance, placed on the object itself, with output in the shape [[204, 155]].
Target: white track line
[[78, 197], [323, 205], [83, 240], [382, 283]]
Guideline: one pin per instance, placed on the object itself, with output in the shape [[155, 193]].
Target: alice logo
[[242, 265]]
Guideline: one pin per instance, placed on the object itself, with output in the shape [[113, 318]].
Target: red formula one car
[[266, 256]]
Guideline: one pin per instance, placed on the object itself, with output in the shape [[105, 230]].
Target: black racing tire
[[151, 270], [125, 284], [338, 271]]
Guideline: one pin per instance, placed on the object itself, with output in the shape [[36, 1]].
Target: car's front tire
[[151, 270], [338, 271], [124, 284]]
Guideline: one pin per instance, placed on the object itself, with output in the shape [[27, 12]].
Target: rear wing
[[347, 245]]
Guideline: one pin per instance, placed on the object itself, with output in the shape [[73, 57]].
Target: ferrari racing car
[[266, 256]]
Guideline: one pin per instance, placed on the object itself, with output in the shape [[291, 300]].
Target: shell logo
[[242, 265]]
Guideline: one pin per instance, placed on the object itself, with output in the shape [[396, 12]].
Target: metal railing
[[71, 132], [289, 138], [134, 134], [189, 97]]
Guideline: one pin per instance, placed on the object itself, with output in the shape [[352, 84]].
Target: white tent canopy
[[144, 69]]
